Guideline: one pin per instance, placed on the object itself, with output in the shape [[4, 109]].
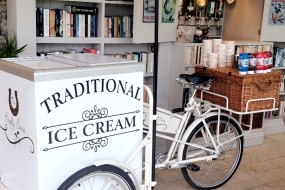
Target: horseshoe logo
[[14, 111]]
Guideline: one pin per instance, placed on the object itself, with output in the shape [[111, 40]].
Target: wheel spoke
[[213, 173], [105, 177]]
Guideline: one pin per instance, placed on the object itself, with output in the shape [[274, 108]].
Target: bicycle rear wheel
[[212, 174], [104, 177]]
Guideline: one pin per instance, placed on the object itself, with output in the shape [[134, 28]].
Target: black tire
[[213, 174], [91, 178]]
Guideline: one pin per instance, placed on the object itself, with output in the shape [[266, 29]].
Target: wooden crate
[[241, 88]]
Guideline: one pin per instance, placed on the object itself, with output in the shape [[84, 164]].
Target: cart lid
[[56, 67]]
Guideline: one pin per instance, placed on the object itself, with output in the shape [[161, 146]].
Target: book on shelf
[[76, 25], [87, 26], [40, 22], [60, 23], [81, 9], [67, 25], [279, 57], [118, 26], [52, 23], [71, 29], [46, 22]]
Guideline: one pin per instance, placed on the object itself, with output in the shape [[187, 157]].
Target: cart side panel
[[18, 139], [80, 120]]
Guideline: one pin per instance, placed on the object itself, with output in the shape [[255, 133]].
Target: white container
[[230, 60], [215, 44], [57, 138], [213, 60]]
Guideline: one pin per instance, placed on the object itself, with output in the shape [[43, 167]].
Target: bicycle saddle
[[196, 78]]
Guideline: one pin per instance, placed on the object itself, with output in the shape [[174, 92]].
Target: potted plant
[[9, 47]]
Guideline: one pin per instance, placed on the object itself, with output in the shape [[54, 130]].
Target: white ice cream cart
[[60, 113]]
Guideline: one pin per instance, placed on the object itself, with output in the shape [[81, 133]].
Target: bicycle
[[208, 150]]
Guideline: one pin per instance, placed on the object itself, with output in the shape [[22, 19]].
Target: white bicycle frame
[[179, 140]]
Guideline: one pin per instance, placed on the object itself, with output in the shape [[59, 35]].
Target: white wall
[[21, 21], [271, 32], [144, 32]]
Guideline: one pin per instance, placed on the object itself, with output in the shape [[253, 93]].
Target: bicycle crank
[[193, 167]]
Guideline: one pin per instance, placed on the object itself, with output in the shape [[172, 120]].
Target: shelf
[[66, 40], [252, 43], [278, 68], [148, 74], [101, 1], [214, 36], [118, 40], [120, 2], [87, 1]]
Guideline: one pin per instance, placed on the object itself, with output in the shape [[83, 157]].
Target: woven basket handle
[[264, 86]]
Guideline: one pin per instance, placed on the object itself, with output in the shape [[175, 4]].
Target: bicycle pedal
[[193, 167]]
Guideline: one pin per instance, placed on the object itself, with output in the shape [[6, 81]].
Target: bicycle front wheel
[[211, 174], [104, 177]]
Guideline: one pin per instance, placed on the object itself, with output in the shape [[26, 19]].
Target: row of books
[[193, 55], [75, 21], [145, 57], [279, 57], [119, 26], [253, 48]]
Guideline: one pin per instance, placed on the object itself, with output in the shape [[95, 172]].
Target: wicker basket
[[239, 89]]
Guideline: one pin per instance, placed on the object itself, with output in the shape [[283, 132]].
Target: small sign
[[276, 12], [168, 11], [149, 11]]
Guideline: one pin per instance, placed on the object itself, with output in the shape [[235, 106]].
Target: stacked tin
[[230, 53], [207, 48]]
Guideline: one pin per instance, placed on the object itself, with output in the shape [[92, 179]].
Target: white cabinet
[[22, 23]]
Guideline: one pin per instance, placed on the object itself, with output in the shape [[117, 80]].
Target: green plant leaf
[[9, 48]]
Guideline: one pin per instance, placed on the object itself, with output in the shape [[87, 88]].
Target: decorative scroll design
[[95, 113], [95, 144], [18, 140], [160, 122]]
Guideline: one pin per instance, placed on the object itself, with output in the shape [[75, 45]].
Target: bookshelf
[[100, 42], [22, 22]]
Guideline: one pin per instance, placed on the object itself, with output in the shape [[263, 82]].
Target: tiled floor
[[262, 168]]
